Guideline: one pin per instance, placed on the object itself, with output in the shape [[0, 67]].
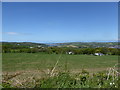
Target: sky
[[59, 21]]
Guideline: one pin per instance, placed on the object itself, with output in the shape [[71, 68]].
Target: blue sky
[[60, 22]]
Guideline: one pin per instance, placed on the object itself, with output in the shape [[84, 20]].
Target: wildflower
[[110, 83]]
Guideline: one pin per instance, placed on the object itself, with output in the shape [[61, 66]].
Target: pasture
[[13, 62], [23, 70]]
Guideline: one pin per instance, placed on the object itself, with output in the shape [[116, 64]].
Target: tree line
[[59, 50]]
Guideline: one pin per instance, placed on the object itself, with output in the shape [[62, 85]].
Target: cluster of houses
[[116, 46], [98, 54], [95, 54]]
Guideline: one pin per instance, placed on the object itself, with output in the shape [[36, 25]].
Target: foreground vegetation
[[106, 79]]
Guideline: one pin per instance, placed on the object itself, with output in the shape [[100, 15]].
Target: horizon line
[[61, 42]]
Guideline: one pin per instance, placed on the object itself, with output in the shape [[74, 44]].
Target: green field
[[35, 70], [39, 61]]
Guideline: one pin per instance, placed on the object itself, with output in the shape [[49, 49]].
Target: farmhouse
[[70, 53], [98, 54], [31, 47]]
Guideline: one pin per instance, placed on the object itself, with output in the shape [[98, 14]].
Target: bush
[[83, 80]]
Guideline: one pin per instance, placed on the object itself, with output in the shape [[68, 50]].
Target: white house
[[31, 47], [70, 53], [98, 54]]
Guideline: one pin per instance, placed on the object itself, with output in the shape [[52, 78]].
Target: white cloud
[[16, 33], [12, 33]]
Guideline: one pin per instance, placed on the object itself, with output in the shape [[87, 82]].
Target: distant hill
[[25, 44], [69, 44], [86, 44]]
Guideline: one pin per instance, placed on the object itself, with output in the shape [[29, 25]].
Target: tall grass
[[64, 79]]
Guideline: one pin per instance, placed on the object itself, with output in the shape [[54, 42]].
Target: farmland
[[22, 66], [33, 61]]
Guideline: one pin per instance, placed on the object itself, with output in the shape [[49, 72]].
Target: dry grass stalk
[[52, 74]]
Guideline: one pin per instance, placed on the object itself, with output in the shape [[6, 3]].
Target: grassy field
[[38, 61], [23, 70]]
